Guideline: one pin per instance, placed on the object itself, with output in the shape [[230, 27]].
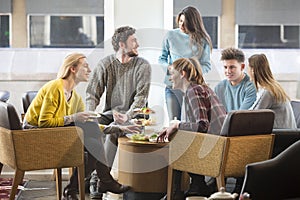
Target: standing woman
[[189, 40], [270, 94]]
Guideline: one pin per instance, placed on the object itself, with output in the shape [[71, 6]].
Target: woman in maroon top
[[201, 112]]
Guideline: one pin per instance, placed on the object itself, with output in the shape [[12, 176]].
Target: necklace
[[67, 94]]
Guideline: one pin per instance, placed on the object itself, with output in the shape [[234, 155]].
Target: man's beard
[[132, 53]]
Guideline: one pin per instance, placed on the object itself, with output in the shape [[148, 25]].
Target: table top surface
[[126, 141]]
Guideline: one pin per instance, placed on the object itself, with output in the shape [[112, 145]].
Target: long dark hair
[[194, 24], [262, 75]]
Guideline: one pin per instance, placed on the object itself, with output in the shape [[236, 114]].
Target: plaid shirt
[[202, 110]]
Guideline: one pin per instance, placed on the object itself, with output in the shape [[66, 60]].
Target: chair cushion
[[296, 109], [27, 99], [248, 122], [4, 95], [9, 118]]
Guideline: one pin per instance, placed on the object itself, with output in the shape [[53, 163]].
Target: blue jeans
[[174, 102]]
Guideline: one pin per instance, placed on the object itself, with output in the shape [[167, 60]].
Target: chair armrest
[[7, 151], [44, 148]]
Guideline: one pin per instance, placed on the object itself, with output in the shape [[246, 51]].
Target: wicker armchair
[[36, 149], [27, 98], [223, 156]]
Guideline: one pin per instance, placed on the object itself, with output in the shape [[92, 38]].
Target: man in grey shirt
[[125, 79]]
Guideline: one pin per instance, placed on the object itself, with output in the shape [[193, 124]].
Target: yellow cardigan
[[50, 106]]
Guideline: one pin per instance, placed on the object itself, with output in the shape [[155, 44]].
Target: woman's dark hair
[[194, 24]]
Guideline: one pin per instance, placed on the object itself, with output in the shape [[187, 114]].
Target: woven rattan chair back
[[38, 149]]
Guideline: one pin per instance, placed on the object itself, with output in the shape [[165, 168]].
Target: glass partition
[[66, 31], [4, 31], [272, 37]]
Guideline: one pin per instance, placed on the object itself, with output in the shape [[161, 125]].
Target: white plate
[[129, 135], [94, 115], [153, 140]]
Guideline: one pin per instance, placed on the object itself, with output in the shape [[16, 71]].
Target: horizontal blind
[[206, 7], [65, 7], [5, 6], [267, 12]]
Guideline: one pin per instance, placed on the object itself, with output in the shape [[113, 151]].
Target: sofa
[[286, 137], [277, 178]]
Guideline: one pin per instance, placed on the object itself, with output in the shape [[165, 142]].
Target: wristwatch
[[67, 120]]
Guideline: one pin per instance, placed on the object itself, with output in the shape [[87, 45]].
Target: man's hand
[[120, 118], [131, 129]]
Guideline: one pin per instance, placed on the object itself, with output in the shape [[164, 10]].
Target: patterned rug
[[5, 187]]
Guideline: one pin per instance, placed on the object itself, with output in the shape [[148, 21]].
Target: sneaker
[[69, 194], [94, 192]]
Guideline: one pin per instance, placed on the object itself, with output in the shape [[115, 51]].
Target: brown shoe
[[69, 195], [112, 186], [107, 183]]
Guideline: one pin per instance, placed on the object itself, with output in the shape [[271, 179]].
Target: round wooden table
[[143, 165]]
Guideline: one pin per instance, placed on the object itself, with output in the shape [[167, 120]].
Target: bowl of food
[[144, 110], [143, 122], [138, 137], [153, 137]]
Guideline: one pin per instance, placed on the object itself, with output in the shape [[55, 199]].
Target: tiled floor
[[41, 187], [45, 190]]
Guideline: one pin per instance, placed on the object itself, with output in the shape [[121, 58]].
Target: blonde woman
[[270, 94], [58, 104]]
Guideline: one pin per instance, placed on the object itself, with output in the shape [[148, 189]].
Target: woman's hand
[[80, 117], [165, 134]]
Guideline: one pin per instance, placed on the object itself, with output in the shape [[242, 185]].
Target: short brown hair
[[121, 35], [233, 54]]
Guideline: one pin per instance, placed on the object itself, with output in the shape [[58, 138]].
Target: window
[[4, 30], [283, 36], [66, 31]]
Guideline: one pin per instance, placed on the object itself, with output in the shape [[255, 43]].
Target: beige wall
[[227, 25], [19, 24]]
